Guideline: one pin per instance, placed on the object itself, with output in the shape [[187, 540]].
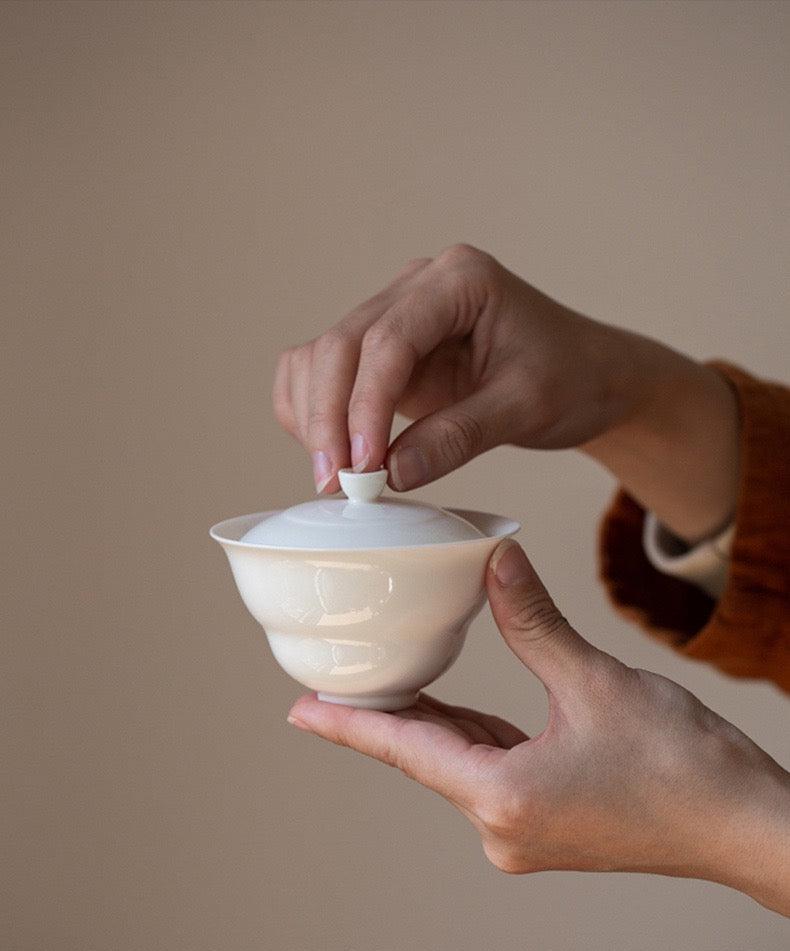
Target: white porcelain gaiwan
[[365, 599]]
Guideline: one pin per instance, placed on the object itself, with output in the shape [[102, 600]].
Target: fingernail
[[298, 723], [509, 564], [409, 468], [360, 454], [322, 471]]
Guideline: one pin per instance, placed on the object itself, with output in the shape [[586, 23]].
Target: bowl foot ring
[[392, 701]]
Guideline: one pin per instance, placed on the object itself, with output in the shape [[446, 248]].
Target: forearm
[[756, 859], [676, 448]]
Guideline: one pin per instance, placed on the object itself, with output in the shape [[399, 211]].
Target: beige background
[[187, 189]]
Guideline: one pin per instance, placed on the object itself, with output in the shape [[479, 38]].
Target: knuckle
[[412, 267], [283, 362], [538, 618], [385, 340], [378, 335], [282, 412], [502, 813], [361, 314], [335, 341], [393, 750], [320, 423], [506, 816], [417, 263], [286, 422], [281, 400], [609, 680], [373, 307], [504, 858], [460, 437], [375, 337], [465, 257], [363, 405], [401, 762], [460, 254], [300, 357]]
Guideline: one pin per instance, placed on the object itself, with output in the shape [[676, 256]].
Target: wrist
[[754, 853], [675, 444]]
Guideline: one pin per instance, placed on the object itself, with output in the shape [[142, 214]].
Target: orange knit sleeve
[[747, 632]]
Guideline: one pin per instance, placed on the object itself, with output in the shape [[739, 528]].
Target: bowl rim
[[505, 527]]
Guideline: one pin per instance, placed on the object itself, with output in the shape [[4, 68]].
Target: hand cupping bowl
[[365, 599]]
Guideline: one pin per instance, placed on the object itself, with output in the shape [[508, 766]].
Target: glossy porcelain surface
[[368, 627], [364, 519]]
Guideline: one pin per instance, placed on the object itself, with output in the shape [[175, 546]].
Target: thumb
[[446, 439], [529, 620]]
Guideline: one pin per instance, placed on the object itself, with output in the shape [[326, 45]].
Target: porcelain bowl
[[364, 627]]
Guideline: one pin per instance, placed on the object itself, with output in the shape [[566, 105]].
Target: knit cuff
[[747, 632]]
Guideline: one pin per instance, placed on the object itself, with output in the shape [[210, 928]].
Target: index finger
[[391, 348], [333, 369]]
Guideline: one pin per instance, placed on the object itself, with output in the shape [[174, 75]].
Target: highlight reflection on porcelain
[[365, 626]]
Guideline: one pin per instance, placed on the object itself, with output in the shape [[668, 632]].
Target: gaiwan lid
[[362, 520]]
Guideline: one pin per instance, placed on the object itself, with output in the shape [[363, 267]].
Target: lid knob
[[362, 486]]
